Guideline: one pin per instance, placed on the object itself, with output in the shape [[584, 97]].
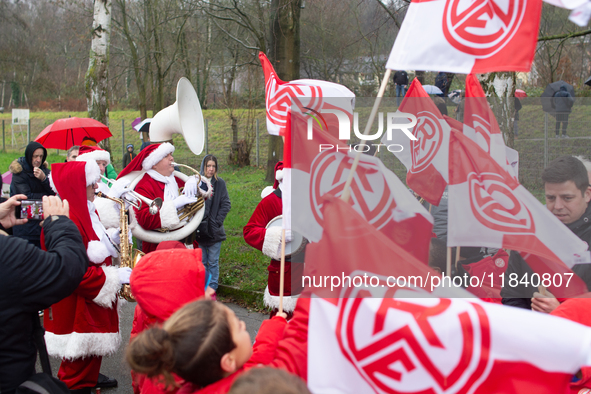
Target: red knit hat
[[148, 158], [87, 153], [69, 180], [165, 280], [278, 174]]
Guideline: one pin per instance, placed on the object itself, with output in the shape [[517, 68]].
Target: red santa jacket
[[268, 241], [167, 217], [276, 346], [86, 323]]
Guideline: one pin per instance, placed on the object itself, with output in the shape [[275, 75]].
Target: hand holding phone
[[7, 216], [29, 209]]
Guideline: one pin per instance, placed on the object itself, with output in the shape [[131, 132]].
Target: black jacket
[[32, 280], [211, 229], [520, 296], [24, 182], [401, 78], [563, 101], [128, 157]]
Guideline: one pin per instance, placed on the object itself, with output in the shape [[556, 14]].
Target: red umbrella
[[520, 93], [65, 133]]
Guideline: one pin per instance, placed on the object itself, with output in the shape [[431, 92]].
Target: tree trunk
[[285, 56], [420, 75], [97, 76]]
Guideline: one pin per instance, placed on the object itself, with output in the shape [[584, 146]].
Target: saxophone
[[129, 256]]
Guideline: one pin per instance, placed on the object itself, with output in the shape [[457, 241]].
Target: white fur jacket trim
[[79, 345], [272, 243], [108, 294], [271, 301], [168, 215], [108, 212]]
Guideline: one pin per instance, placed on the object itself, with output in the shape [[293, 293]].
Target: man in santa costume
[[158, 181], [268, 241], [107, 210], [84, 327]]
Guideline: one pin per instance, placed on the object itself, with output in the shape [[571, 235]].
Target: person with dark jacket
[[32, 280], [441, 83], [30, 176], [210, 232], [401, 81], [563, 103], [566, 185], [129, 155]]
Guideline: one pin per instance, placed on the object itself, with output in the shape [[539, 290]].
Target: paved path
[[116, 367]]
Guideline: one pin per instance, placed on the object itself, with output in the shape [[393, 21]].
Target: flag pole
[[457, 256], [282, 271], [448, 263], [372, 115]]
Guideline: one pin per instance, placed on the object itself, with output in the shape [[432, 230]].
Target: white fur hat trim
[[52, 185], [279, 175], [95, 155], [93, 173], [159, 153], [97, 252]]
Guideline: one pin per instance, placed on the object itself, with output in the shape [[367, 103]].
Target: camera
[[29, 209]]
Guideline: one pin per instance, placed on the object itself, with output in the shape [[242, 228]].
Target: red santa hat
[[278, 174], [93, 153], [69, 180], [166, 279], [148, 158]]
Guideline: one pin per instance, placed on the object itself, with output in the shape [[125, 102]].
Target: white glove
[[288, 235], [190, 189], [114, 235], [124, 274], [118, 188], [127, 197], [183, 200]]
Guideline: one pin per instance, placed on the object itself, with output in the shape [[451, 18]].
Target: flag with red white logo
[[482, 124], [488, 207], [425, 156], [386, 332], [465, 37], [412, 345], [320, 167], [310, 96]]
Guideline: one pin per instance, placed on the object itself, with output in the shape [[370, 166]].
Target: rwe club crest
[[429, 134], [482, 27], [415, 345], [495, 206], [370, 194]]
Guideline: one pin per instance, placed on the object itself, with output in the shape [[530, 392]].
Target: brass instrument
[[129, 256], [190, 209], [154, 204]]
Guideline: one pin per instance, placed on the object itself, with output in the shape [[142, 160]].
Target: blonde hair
[[190, 343]]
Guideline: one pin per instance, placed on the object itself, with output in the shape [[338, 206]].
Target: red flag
[[426, 157], [310, 96], [488, 207], [467, 37], [320, 167]]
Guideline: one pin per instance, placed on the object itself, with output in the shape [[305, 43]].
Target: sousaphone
[[184, 117]]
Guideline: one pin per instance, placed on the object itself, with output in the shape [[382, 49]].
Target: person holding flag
[[566, 184]]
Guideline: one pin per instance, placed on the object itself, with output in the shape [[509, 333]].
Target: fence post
[[29, 130], [545, 139], [206, 137], [3, 140], [123, 138], [257, 141]]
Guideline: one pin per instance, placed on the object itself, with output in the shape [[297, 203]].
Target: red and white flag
[[310, 96], [320, 168], [426, 157], [488, 207], [482, 124], [464, 36], [408, 345]]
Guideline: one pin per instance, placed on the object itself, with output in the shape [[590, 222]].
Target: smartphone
[[29, 209]]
